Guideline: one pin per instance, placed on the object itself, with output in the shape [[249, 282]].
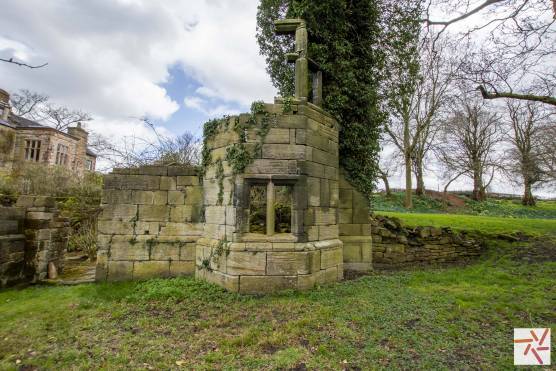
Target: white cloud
[[194, 102], [110, 57]]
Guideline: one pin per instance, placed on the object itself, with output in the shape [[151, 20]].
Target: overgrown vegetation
[[344, 40], [78, 198], [434, 319]]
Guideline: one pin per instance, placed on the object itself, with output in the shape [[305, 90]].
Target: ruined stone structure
[[168, 221], [33, 240], [395, 246]]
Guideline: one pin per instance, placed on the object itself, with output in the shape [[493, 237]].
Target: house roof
[[90, 153], [22, 122]]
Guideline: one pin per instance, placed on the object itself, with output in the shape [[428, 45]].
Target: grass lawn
[[482, 224], [491, 207], [451, 318]]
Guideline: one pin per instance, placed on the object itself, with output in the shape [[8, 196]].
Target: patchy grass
[[491, 207], [483, 224], [451, 318]]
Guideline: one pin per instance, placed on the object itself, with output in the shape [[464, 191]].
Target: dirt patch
[[452, 200]]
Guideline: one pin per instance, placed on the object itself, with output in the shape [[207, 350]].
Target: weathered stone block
[[181, 214], [142, 197], [346, 198], [188, 181], [168, 183], [331, 275], [331, 257], [160, 197], [289, 263], [266, 284], [131, 182], [151, 269], [176, 198], [228, 282], [115, 227], [154, 213], [350, 230], [283, 151], [182, 268], [345, 216], [181, 229], [246, 263], [352, 253], [164, 250], [307, 282], [120, 271], [313, 190], [118, 212]]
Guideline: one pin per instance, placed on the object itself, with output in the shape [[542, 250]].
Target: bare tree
[[60, 117], [516, 58], [131, 151], [469, 141], [415, 115], [36, 106], [28, 104], [527, 157]]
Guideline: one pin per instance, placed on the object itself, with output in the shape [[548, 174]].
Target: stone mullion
[[270, 212]]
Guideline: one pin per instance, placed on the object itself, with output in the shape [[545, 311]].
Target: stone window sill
[[279, 237]]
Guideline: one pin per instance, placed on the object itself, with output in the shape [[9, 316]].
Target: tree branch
[[21, 64], [487, 3], [528, 97]]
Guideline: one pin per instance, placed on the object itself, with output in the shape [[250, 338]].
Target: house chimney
[[4, 105]]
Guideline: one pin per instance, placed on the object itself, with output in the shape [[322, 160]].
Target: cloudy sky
[[178, 62]]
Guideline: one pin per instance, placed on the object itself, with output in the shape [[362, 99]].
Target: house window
[[89, 165], [270, 208], [62, 155], [33, 150]]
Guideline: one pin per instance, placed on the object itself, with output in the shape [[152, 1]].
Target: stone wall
[[33, 240], [150, 222], [396, 246], [355, 228]]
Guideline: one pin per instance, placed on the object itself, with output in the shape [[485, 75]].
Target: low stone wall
[[395, 246], [151, 219], [33, 240]]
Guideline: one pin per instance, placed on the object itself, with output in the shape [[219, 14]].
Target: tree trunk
[[386, 185], [420, 189], [478, 189], [528, 199], [408, 186]]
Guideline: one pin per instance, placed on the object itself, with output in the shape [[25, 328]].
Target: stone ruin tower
[[270, 209]]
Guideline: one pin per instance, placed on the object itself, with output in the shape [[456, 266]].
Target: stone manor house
[[23, 140]]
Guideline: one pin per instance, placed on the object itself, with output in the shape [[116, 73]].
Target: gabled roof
[[22, 122], [89, 152]]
